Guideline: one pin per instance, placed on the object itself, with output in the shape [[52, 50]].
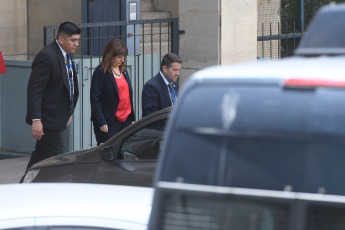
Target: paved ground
[[12, 170]]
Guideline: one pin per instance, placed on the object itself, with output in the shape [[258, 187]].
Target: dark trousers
[[49, 145], [113, 128]]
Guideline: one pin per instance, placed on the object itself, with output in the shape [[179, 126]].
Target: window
[[59, 228], [145, 143], [260, 137]]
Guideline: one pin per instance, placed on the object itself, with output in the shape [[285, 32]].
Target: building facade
[[211, 32]]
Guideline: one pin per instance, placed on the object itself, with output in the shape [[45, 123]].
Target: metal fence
[[147, 42], [279, 42], [281, 25]]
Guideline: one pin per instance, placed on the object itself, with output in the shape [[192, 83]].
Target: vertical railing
[[142, 66], [275, 44]]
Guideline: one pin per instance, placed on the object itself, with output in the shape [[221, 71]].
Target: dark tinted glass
[[145, 143], [59, 228], [325, 216], [220, 211], [259, 137]]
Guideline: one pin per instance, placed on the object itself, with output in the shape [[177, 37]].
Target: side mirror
[[108, 153]]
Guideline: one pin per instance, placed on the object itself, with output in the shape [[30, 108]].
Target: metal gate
[[281, 25], [147, 41]]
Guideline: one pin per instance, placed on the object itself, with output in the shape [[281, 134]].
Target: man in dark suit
[[52, 92], [160, 91]]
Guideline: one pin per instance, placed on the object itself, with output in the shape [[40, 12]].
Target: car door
[[136, 158]]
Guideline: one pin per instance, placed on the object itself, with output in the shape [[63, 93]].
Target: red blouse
[[124, 107]]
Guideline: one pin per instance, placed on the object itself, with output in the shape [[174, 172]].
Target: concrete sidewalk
[[12, 170]]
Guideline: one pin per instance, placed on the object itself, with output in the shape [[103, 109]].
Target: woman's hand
[[69, 121], [104, 128]]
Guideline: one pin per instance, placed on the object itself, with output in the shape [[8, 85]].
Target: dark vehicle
[[261, 125], [128, 158], [258, 145]]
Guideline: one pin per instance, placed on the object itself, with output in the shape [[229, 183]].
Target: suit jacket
[[155, 95], [104, 97], [48, 96]]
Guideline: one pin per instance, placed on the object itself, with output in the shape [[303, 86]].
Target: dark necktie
[[172, 94], [70, 80]]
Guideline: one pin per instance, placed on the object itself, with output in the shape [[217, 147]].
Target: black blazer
[[104, 97], [155, 95], [48, 89]]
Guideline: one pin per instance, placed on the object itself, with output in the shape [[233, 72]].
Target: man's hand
[[37, 129], [104, 128]]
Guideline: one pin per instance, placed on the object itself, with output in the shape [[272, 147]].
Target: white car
[[74, 206]]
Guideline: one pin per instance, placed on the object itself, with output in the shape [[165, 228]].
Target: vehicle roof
[[331, 41], [110, 203], [321, 67]]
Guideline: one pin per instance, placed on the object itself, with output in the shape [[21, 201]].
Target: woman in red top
[[111, 93]]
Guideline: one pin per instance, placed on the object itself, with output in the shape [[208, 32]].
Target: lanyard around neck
[[69, 64]]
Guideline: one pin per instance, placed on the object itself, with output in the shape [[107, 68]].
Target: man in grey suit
[[160, 91], [52, 92]]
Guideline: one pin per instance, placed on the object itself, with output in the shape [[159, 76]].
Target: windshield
[[262, 137]]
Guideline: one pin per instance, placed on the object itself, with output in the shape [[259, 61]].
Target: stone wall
[[216, 33], [268, 23], [22, 22], [213, 32], [167, 5], [238, 31], [49, 12], [200, 41], [13, 29]]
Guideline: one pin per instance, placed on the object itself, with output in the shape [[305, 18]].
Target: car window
[[59, 228], [145, 143], [258, 137], [77, 228]]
